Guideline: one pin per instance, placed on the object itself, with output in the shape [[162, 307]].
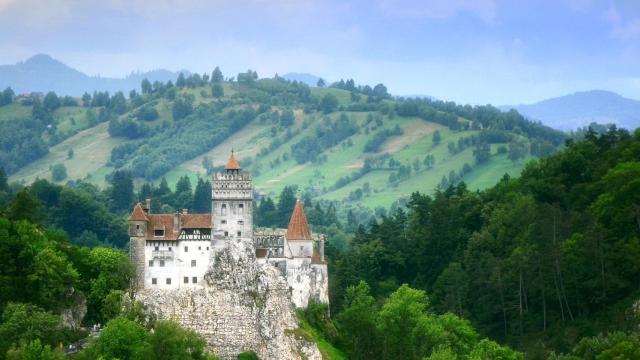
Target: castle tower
[[299, 234], [138, 223], [232, 203]]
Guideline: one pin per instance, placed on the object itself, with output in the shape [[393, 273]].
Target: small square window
[[223, 221], [193, 263], [158, 232], [239, 233], [199, 247], [186, 249], [207, 248], [169, 248], [154, 281], [194, 279], [150, 263], [161, 263], [157, 248], [240, 222], [226, 233], [168, 281], [186, 279]]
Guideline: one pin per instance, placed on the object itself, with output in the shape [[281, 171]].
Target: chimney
[[177, 220], [147, 206], [185, 211]]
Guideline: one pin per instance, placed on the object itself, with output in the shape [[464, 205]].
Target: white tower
[[232, 204]]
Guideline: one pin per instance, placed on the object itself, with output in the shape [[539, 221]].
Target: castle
[[177, 251]]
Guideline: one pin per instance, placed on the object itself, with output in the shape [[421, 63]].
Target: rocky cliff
[[243, 306]]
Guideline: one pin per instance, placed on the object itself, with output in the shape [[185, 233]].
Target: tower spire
[[298, 228], [232, 163]]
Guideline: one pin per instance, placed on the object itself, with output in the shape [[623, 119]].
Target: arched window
[[223, 210]]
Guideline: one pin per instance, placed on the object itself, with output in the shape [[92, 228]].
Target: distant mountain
[[582, 108], [306, 78], [42, 73]]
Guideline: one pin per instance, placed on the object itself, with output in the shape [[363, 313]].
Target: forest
[[542, 266]]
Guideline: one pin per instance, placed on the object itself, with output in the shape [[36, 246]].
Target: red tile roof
[[232, 164], [196, 221], [298, 226], [166, 222], [138, 214]]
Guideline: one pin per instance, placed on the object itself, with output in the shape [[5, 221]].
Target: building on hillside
[[174, 251]]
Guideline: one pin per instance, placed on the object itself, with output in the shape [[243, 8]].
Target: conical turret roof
[[138, 214], [232, 163], [298, 226]]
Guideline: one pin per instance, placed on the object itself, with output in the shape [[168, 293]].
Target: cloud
[[485, 9], [34, 13], [622, 27]]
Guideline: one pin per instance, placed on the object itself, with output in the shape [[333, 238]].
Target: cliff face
[[243, 306]]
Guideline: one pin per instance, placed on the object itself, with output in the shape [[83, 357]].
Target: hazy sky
[[471, 51]]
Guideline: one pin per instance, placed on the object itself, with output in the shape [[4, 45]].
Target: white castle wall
[[178, 265]]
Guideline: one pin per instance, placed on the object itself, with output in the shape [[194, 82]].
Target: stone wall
[[243, 306]]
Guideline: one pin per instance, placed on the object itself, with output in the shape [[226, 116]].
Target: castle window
[[161, 263], [207, 248], [154, 281], [186, 279], [223, 221], [226, 233], [193, 263], [194, 279], [158, 232], [150, 263], [223, 210], [199, 247], [168, 281], [186, 249], [137, 227], [239, 233], [157, 248], [240, 222], [240, 209]]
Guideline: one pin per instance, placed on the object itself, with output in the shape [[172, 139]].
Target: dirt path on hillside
[[287, 173], [412, 132]]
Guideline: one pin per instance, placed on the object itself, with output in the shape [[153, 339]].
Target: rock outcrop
[[243, 306]]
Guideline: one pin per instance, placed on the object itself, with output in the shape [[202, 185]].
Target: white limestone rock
[[243, 306]]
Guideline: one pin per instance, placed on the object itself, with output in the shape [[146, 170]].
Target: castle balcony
[[162, 254]]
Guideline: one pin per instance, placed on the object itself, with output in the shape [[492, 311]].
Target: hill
[[582, 108], [42, 73], [343, 143]]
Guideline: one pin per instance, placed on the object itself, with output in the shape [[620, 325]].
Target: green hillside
[[344, 143]]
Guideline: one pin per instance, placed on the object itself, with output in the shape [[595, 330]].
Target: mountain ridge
[[581, 108], [43, 73]]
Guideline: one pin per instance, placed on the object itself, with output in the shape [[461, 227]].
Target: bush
[[58, 172]]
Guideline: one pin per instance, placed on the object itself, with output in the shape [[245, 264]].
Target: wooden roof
[[298, 226]]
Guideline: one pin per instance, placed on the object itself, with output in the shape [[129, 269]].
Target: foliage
[[538, 258], [58, 172], [380, 137]]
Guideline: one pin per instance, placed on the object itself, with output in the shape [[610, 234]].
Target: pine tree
[[286, 203], [202, 197], [121, 191]]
